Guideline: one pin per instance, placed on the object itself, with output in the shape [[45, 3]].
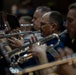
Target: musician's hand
[[62, 53], [37, 50], [33, 39], [65, 69], [14, 42]]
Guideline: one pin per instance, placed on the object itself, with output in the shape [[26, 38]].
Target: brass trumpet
[[18, 33], [15, 54]]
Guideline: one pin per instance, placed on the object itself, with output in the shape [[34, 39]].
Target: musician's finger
[[10, 40], [35, 38], [20, 38], [57, 56], [30, 40], [14, 30], [61, 52], [44, 46], [33, 52], [13, 45]]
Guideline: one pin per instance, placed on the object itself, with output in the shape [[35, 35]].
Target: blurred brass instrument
[[15, 55], [18, 33], [4, 47], [70, 59]]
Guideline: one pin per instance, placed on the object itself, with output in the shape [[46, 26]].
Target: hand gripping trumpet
[[15, 55]]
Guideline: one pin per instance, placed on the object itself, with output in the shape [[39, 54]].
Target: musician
[[71, 26], [51, 22], [13, 26], [53, 25], [66, 68], [71, 41], [36, 21], [39, 12]]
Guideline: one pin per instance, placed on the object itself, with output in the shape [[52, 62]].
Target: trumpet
[[39, 42], [15, 55], [18, 33]]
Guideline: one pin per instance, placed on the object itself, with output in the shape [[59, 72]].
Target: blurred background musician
[[39, 12], [36, 22], [13, 26], [2, 31], [26, 23]]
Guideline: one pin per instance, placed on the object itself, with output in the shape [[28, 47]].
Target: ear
[[54, 26]]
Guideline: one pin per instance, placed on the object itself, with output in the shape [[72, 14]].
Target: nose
[[32, 20]]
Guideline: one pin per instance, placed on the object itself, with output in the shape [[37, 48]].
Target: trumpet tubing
[[20, 50], [15, 56], [18, 33], [49, 49], [24, 58]]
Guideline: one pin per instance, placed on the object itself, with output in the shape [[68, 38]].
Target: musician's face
[[71, 23], [36, 19], [46, 28]]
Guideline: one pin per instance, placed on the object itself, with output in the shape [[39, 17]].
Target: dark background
[[60, 5]]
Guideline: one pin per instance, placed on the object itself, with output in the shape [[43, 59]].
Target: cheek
[[46, 30], [72, 30], [37, 22], [73, 27]]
